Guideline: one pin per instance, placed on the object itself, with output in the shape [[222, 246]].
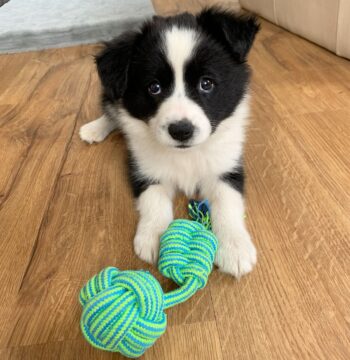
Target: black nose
[[181, 130]]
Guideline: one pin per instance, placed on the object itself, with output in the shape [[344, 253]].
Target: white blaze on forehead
[[180, 43]]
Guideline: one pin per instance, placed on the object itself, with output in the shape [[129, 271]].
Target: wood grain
[[66, 210]]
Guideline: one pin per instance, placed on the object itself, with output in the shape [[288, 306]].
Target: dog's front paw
[[146, 245], [236, 254], [94, 131]]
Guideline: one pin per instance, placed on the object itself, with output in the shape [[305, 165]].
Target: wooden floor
[[66, 211]]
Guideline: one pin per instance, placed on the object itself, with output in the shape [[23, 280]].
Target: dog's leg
[[156, 213], [236, 253], [97, 130]]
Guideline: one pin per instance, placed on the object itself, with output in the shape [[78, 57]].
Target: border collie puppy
[[178, 90]]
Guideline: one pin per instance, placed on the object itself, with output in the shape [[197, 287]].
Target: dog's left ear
[[113, 63], [235, 32]]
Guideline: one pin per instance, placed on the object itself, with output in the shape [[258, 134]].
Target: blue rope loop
[[199, 211]]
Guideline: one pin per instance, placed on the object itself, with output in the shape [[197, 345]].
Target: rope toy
[[123, 311]]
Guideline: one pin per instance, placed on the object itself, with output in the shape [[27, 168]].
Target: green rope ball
[[187, 252], [123, 311]]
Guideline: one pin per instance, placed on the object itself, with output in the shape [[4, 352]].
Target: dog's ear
[[113, 63], [235, 32]]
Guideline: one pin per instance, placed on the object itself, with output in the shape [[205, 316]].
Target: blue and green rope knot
[[123, 311]]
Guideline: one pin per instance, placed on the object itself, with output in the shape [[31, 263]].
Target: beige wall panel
[[313, 19], [343, 38], [265, 8]]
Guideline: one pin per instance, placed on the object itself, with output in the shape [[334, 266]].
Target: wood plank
[[36, 137], [193, 341]]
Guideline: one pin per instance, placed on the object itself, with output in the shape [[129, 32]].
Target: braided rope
[[123, 311], [187, 252]]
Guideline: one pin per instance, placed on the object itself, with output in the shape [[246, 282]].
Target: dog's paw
[[94, 131], [236, 254], [146, 245]]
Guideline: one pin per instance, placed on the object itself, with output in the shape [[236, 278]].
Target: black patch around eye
[[231, 79], [148, 63], [139, 99]]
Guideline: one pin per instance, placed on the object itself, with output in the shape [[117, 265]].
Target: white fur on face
[[179, 46], [186, 169]]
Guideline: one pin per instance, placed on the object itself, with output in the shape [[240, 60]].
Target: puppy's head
[[181, 75]]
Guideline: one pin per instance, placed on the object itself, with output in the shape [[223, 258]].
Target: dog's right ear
[[113, 64], [235, 32]]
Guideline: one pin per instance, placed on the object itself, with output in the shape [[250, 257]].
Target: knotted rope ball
[[123, 311], [187, 252]]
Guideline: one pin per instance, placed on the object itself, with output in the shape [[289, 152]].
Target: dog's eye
[[206, 85], [154, 88]]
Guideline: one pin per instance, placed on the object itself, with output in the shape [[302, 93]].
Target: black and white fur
[[189, 136]]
